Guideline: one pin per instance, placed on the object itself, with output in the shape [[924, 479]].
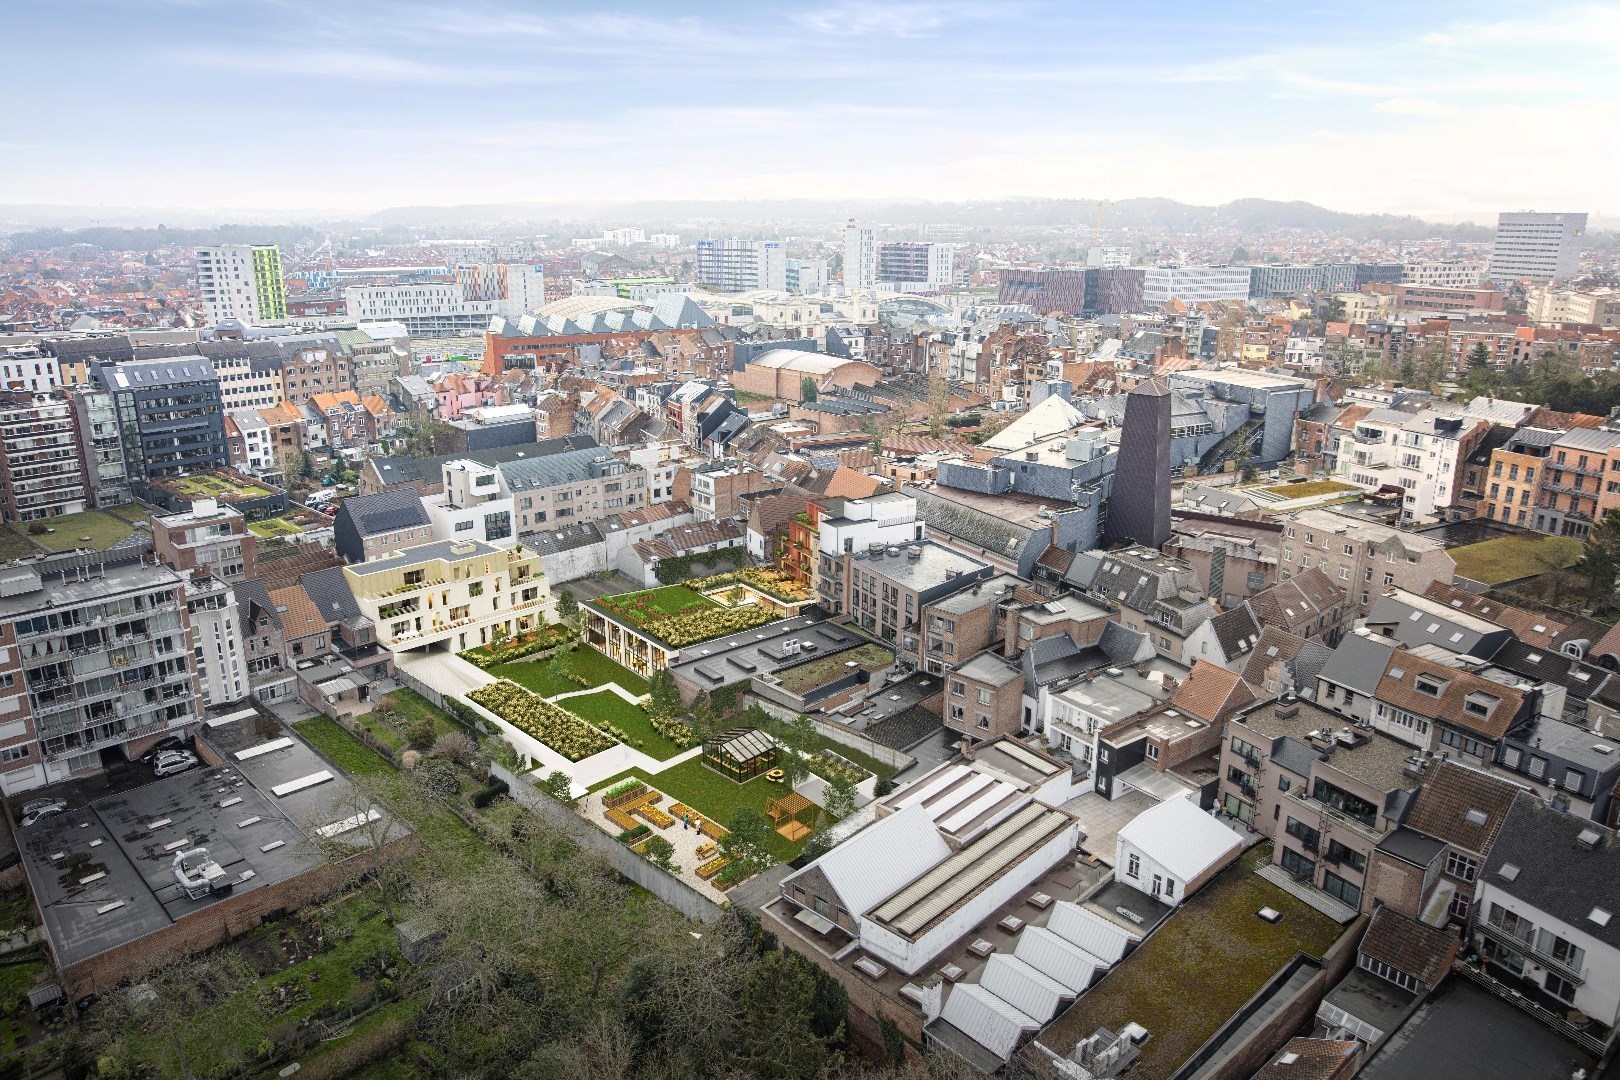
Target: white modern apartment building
[[624, 237], [1538, 247], [860, 257], [29, 369], [910, 266], [450, 595], [1108, 256], [664, 241], [1419, 452], [472, 506], [1192, 284], [853, 525], [1596, 307], [242, 282], [246, 385], [216, 641], [742, 265], [1452, 275], [429, 307]]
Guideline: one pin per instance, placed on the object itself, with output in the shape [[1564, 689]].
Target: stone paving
[[686, 842]]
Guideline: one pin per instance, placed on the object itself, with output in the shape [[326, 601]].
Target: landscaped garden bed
[[679, 616], [515, 648], [804, 678], [833, 766], [556, 727]]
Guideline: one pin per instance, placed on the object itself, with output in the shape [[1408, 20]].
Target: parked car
[[173, 761], [40, 808], [168, 742]]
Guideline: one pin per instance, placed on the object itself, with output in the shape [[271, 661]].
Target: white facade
[[664, 241], [479, 292], [1540, 247], [1170, 847], [458, 594], [1547, 956], [1193, 284], [216, 642], [241, 387], [742, 265], [889, 519], [860, 257], [1416, 452], [472, 507], [259, 456], [1109, 256], [1452, 275], [624, 236], [226, 285], [29, 369]]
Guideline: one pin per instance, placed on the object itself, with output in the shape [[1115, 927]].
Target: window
[[1462, 742], [464, 526], [1152, 752], [1389, 974], [1570, 955], [984, 696], [1341, 890], [1559, 987], [1389, 579], [984, 721], [1284, 783], [1461, 866], [1512, 923], [476, 588], [14, 753], [1426, 685], [1133, 866], [1338, 853]]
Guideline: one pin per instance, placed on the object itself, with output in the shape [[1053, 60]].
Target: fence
[[668, 888]]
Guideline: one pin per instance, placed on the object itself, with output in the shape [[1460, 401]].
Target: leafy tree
[[559, 785], [420, 735], [664, 696], [560, 668], [747, 835], [661, 853], [1600, 557], [776, 1034], [567, 606], [839, 798], [808, 389], [939, 404], [1334, 312]]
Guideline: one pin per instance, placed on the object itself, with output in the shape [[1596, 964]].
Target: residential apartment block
[[454, 594], [41, 470]]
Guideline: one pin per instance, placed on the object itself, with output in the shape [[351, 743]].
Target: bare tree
[[366, 809]]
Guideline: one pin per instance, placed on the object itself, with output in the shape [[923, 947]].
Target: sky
[[1441, 109]]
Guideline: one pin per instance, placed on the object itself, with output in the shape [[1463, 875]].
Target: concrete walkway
[[613, 686], [445, 672]]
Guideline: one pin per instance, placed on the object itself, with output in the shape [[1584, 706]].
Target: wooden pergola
[[785, 813]]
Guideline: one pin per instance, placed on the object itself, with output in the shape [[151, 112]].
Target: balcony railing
[[1530, 952], [1338, 817]]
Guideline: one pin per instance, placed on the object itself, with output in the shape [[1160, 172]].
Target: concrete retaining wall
[[667, 887]]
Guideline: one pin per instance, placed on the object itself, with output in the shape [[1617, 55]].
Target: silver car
[[173, 761], [40, 808]]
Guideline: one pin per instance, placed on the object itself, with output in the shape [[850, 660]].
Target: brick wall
[[222, 922]]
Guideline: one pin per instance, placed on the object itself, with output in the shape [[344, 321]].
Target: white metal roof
[[1024, 987], [1057, 958], [1180, 837], [986, 1019], [1090, 931], [883, 858]]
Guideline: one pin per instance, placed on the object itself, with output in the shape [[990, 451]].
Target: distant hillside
[[110, 238]]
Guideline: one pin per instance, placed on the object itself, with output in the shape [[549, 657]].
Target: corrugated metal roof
[[1023, 987], [1090, 931], [1057, 958], [986, 1019]]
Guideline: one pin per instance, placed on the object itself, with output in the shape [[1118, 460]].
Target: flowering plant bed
[[655, 816], [678, 616], [546, 637], [713, 867], [834, 766], [624, 791], [557, 728]]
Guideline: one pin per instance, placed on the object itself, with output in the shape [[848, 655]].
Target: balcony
[[1337, 817], [1531, 953]]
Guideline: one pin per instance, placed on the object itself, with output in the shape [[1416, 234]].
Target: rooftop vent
[[1589, 838]]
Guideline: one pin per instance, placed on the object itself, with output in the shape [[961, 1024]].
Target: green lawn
[[585, 662], [707, 792], [103, 529], [1509, 558], [748, 397], [606, 707], [818, 672], [14, 545], [134, 513], [270, 528], [1309, 488], [1214, 942]]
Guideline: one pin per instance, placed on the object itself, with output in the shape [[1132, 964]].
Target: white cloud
[[858, 18]]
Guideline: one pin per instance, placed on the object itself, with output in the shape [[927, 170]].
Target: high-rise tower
[[1139, 505]]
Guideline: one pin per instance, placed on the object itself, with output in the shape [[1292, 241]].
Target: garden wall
[[899, 759], [667, 887]]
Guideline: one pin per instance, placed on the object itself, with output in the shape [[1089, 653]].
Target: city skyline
[[1461, 111]]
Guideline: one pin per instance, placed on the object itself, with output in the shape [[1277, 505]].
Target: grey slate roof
[[571, 466], [385, 512], [1458, 633], [402, 470], [1236, 631], [567, 538], [1295, 756], [329, 591], [1359, 663], [1557, 873], [1548, 665], [969, 525]]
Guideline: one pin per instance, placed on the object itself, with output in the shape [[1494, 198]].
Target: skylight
[[1599, 916], [1508, 872], [1475, 817]]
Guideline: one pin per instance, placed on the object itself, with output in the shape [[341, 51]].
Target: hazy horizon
[[1444, 111]]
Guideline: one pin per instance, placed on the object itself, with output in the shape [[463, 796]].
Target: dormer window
[[1427, 685]]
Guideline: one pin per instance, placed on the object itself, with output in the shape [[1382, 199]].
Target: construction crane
[[1097, 237]]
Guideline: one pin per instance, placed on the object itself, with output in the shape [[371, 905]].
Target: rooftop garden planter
[[557, 728]]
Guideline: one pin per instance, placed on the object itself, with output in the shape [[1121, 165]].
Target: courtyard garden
[[271, 528], [518, 646], [531, 714], [631, 724], [214, 486], [1309, 489]]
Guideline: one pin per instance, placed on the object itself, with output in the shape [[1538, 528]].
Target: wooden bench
[[708, 851]]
